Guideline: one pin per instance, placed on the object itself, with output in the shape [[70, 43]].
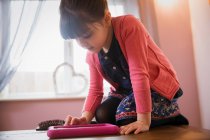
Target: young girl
[[144, 85]]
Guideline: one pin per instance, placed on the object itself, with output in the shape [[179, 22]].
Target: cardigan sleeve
[[95, 93], [135, 38]]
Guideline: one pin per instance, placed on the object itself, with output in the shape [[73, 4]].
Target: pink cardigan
[[148, 66]]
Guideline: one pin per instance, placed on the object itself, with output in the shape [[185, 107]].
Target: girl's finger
[[138, 130], [83, 120], [75, 121], [130, 129], [68, 120], [125, 130]]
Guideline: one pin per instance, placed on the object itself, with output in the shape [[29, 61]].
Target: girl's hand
[[141, 125], [136, 127], [75, 121]]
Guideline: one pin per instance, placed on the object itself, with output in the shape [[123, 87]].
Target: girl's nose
[[82, 43]]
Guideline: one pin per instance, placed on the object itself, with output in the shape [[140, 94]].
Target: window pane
[[45, 49], [44, 52]]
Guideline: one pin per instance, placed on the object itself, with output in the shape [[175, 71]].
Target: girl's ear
[[107, 17]]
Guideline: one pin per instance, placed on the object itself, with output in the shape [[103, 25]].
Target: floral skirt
[[161, 107]]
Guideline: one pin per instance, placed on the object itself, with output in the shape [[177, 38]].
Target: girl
[[144, 85]]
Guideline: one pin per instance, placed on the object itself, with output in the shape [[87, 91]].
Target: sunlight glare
[[166, 3]]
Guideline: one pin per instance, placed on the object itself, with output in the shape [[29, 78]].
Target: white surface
[[38, 96]]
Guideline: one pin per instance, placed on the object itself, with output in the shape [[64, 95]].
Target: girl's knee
[[104, 115], [106, 112]]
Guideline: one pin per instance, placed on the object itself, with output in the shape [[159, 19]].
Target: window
[[46, 49], [44, 52]]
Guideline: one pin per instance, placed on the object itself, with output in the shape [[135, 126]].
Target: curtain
[[15, 34]]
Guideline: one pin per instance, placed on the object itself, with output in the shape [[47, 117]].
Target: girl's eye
[[88, 35]]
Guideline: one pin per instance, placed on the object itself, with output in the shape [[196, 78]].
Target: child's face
[[96, 38]]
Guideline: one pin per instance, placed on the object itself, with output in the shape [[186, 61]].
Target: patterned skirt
[[162, 108]]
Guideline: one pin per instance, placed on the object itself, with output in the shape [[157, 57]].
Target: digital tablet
[[82, 130]]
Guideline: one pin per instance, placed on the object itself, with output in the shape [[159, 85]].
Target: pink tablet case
[[82, 130]]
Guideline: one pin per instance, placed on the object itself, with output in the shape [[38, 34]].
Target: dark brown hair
[[75, 15]]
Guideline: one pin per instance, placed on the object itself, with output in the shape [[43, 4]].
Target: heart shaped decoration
[[67, 81]]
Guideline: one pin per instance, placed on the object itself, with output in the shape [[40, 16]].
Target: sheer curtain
[[14, 39]]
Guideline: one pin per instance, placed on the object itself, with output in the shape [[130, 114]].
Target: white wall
[[200, 19], [175, 39]]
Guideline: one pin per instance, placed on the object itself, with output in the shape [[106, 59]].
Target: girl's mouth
[[90, 48]]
